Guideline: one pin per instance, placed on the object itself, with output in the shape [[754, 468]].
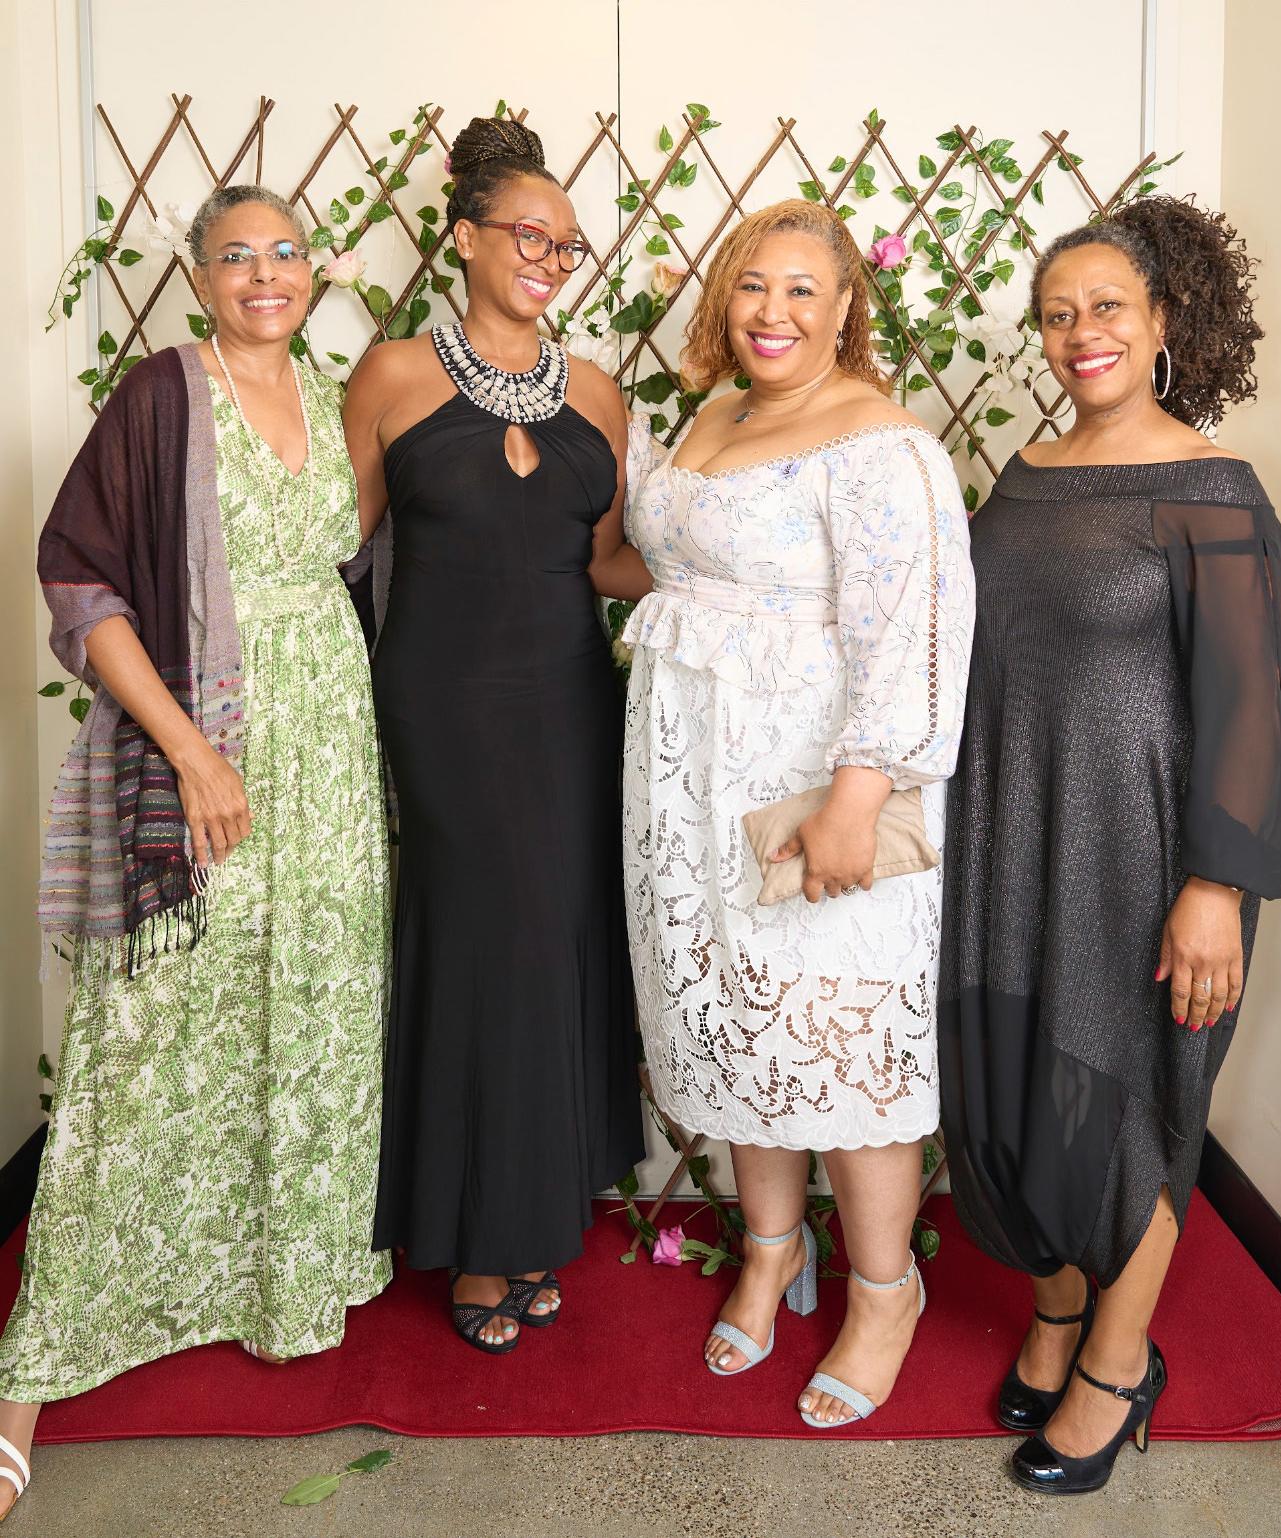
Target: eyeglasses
[[283, 253], [535, 245]]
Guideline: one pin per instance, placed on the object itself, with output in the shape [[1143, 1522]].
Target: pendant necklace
[[749, 411], [288, 561]]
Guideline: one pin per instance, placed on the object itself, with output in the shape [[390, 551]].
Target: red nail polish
[[1195, 1027], [1156, 976], [1180, 1019]]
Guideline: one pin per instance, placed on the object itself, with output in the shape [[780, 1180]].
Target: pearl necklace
[[287, 561]]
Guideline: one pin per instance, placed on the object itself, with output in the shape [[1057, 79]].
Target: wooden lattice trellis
[[999, 210]]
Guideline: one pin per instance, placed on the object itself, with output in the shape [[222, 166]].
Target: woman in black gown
[[1114, 819], [511, 1092]]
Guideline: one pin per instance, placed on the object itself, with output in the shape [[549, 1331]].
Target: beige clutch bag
[[902, 848]]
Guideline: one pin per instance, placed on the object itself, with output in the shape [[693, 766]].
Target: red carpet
[[625, 1357]]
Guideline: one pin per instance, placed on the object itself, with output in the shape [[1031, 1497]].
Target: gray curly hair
[[221, 200]]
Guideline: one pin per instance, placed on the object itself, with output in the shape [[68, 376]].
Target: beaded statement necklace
[[530, 397], [288, 560]]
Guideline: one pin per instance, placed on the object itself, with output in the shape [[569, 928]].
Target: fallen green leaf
[[310, 1491]]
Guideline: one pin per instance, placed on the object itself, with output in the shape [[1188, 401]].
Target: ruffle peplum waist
[[766, 640]]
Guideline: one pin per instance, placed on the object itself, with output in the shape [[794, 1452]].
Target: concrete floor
[[630, 1486]]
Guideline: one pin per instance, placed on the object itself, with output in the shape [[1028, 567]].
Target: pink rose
[[889, 251], [666, 279], [667, 1247], [345, 270], [449, 165]]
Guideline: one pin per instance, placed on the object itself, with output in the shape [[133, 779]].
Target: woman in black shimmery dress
[[1115, 816], [511, 1093]]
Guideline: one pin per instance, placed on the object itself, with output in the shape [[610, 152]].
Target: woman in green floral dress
[[213, 1145]]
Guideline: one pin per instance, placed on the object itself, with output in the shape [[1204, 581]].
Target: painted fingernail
[[1180, 1019], [1194, 1028], [1157, 975]]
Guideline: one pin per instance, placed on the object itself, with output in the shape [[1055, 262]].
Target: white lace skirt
[[794, 1026]]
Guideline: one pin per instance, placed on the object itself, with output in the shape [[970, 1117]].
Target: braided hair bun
[[1196, 268], [486, 155]]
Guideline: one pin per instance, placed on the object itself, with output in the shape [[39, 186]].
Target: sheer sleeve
[[1225, 563], [905, 608]]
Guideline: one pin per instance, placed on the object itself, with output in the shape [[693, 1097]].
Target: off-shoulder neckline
[[827, 445]]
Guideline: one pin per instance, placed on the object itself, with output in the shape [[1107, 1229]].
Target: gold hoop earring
[[1169, 375]]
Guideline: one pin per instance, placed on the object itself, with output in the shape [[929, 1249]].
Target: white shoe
[[20, 1477]]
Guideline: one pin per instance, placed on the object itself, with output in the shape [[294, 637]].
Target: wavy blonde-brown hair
[[708, 357]]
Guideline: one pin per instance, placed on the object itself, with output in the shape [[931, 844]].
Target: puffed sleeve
[[1225, 566], [644, 453], [904, 605]]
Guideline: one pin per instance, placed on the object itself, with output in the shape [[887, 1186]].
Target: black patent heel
[[1019, 1406], [1037, 1466]]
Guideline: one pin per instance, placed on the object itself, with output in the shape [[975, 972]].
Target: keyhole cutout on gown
[[520, 451]]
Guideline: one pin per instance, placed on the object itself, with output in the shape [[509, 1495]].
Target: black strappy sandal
[[524, 1293], [1020, 1407], [471, 1318]]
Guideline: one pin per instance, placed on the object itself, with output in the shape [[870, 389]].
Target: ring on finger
[[848, 891], [1207, 986]]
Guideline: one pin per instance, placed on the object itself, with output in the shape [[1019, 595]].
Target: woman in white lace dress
[[810, 623]]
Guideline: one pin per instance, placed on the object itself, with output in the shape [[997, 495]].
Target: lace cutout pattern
[[799, 1026]]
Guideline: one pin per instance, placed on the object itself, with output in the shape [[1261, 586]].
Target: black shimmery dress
[[511, 1094], [1122, 731]]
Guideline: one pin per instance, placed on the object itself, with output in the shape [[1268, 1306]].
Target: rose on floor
[[668, 1246]]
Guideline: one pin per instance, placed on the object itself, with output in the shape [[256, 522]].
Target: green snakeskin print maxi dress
[[213, 1144]]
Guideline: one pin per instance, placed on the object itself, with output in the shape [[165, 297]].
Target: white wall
[[1246, 1115]]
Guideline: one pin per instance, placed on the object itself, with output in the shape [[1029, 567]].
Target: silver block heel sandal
[[824, 1383], [801, 1297]]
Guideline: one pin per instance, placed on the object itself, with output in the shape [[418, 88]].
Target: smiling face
[[498, 274], [256, 300], [786, 311], [1100, 331]]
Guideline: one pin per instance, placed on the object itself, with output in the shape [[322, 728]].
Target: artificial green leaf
[[873, 118], [338, 212], [378, 1459], [105, 211], [845, 211], [355, 196], [994, 416], [106, 344], [629, 1185], [997, 148], [53, 690], [311, 1491], [627, 1257], [86, 377], [297, 347], [501, 109], [658, 423], [926, 168], [665, 140], [419, 310], [940, 360], [128, 257], [451, 258], [79, 707], [673, 221], [654, 390], [930, 1153], [441, 283], [341, 359], [970, 496], [379, 300], [398, 325], [687, 176], [838, 165], [701, 1164], [378, 212], [46, 1102], [126, 364], [976, 350], [397, 136], [629, 202], [322, 237], [396, 181], [918, 382], [928, 1239], [811, 191], [949, 141], [43, 1066], [952, 191], [970, 307], [1003, 270], [973, 442], [657, 246], [429, 215], [904, 194]]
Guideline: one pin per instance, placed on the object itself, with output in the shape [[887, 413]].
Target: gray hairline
[[222, 200]]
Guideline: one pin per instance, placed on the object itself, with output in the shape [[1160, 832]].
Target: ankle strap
[[902, 1281], [1059, 1318], [1136, 1395], [773, 1238]]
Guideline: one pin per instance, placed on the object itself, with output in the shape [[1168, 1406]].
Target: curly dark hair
[[1196, 268], [486, 155]]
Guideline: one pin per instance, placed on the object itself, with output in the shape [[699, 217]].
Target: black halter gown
[[511, 1093]]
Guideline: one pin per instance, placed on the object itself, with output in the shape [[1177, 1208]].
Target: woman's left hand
[[1201, 943], [839, 840]]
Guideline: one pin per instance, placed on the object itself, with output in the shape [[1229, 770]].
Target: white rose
[[604, 351], [1020, 370], [999, 384]]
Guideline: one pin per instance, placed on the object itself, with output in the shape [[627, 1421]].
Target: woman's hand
[[1201, 943], [213, 802], [839, 840]]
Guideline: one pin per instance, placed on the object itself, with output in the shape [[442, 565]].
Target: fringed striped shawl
[[135, 530]]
